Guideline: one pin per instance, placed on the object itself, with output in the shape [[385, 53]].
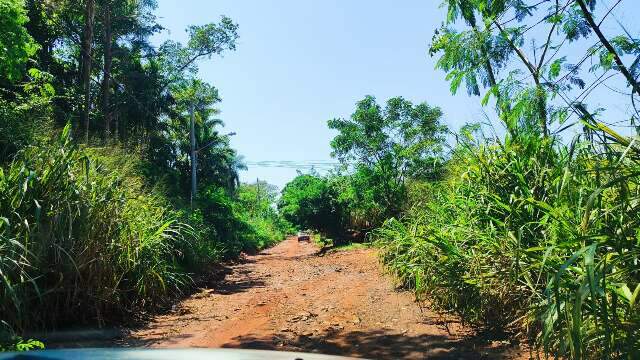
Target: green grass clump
[[533, 237], [82, 243], [85, 240]]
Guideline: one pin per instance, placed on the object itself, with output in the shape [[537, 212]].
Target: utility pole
[[257, 196], [87, 41], [194, 164]]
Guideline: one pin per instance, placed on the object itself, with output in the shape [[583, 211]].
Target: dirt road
[[288, 298]]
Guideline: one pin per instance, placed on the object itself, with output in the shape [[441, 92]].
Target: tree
[[57, 64], [258, 198], [16, 43], [119, 20], [107, 63], [87, 46], [170, 151], [204, 42], [537, 82], [45, 28], [385, 146], [548, 58], [310, 203], [24, 95], [104, 47]]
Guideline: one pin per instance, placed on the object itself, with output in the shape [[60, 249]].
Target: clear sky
[[299, 63]]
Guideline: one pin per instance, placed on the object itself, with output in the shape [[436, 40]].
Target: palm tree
[[217, 163]]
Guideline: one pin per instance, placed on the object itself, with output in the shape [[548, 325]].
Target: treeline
[[534, 231], [96, 217], [381, 150]]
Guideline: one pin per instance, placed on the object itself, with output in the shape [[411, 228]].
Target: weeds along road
[[289, 298]]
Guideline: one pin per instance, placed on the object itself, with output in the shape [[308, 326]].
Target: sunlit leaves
[[556, 67], [310, 202], [464, 56], [387, 145], [624, 44], [16, 45], [580, 301], [39, 84], [559, 115], [460, 8], [179, 61], [493, 91], [503, 37], [213, 38], [606, 60], [554, 18]]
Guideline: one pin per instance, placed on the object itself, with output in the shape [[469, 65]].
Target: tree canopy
[[16, 43], [386, 146], [310, 203]]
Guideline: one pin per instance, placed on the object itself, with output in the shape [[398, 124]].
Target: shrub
[[530, 236], [80, 242]]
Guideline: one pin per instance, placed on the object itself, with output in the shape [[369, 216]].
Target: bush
[[25, 117], [533, 237], [80, 242], [310, 202]]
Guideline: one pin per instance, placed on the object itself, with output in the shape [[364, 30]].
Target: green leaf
[[555, 67]]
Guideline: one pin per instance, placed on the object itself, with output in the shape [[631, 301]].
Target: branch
[[536, 78], [623, 69], [519, 52], [553, 27], [184, 66], [487, 61], [609, 12]]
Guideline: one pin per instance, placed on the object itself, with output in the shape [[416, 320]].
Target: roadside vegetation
[[96, 218], [380, 151], [526, 222]]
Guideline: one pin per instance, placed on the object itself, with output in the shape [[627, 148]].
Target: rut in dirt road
[[288, 298]]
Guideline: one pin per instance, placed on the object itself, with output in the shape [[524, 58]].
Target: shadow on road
[[238, 285]]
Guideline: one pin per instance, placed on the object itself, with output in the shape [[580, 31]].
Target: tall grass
[[80, 243], [531, 236], [85, 240]]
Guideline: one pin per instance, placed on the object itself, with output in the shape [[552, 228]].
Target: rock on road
[[289, 298]]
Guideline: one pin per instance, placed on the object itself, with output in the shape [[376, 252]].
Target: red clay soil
[[289, 298]]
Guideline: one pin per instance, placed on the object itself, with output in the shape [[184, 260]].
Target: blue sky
[[300, 63]]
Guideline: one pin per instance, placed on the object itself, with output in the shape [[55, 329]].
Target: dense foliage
[[258, 200], [16, 43], [379, 151], [96, 221], [310, 202], [381, 148], [535, 231], [82, 242]]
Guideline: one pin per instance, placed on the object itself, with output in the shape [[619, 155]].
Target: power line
[[295, 164]]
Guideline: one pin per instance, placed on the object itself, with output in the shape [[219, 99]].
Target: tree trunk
[[541, 105], [194, 159], [116, 127], [106, 79], [86, 63]]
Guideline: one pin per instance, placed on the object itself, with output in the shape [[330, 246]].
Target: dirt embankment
[[288, 298]]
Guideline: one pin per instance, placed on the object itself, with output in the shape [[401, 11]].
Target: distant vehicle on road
[[303, 236]]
